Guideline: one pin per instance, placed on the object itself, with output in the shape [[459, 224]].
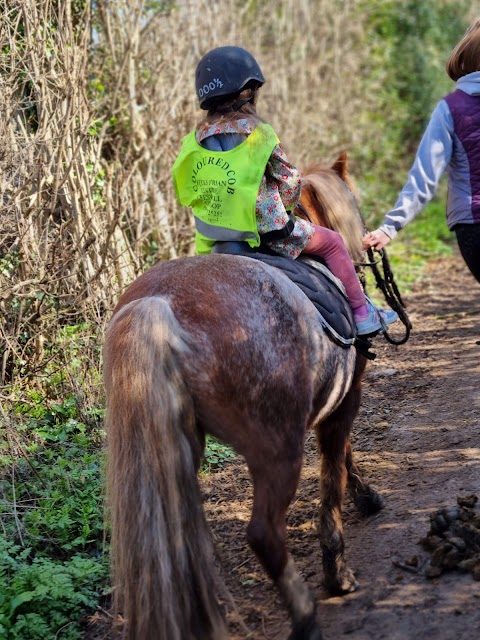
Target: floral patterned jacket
[[279, 189]]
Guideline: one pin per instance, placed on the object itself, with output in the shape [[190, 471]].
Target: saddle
[[318, 283]]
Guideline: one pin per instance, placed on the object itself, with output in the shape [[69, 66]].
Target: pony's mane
[[329, 193]]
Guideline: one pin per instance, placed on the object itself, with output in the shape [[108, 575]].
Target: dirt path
[[417, 439]]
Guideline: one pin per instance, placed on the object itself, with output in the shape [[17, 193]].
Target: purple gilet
[[464, 168], [451, 143]]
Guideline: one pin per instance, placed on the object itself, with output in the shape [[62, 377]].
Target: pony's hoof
[[340, 585], [369, 503], [307, 630]]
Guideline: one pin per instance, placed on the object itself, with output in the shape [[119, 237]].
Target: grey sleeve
[[433, 156]]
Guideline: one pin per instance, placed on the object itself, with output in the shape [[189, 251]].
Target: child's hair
[[465, 58], [233, 107]]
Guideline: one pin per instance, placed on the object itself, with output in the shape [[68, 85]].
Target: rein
[[388, 287], [385, 282]]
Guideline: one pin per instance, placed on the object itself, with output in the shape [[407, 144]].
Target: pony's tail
[[163, 576]]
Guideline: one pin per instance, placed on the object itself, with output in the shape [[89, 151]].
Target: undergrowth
[[53, 555], [216, 455], [43, 598]]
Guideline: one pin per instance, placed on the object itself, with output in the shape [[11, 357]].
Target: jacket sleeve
[[286, 177], [433, 156]]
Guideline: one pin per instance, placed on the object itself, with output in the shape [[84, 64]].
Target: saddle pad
[[322, 288]]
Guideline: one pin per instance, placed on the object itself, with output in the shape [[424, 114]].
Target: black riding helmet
[[225, 71]]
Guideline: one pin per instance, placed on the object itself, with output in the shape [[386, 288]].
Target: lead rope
[[387, 285], [386, 282]]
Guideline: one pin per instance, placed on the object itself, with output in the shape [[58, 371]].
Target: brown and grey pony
[[226, 345]]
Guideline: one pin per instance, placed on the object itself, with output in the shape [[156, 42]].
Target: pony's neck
[[330, 203]]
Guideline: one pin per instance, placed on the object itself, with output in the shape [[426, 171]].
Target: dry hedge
[[96, 99]]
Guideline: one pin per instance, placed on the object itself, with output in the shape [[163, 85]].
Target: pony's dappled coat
[[225, 345]]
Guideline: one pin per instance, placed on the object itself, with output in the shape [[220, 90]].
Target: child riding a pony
[[234, 174]]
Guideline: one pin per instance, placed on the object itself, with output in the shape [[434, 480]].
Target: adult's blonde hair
[[465, 58]]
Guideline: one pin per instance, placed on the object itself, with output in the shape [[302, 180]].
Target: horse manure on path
[[454, 539]]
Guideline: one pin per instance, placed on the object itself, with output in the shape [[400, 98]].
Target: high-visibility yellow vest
[[222, 187]]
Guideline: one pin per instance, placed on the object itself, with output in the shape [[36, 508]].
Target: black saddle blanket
[[318, 283]]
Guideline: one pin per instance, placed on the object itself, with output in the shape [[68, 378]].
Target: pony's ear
[[340, 165]]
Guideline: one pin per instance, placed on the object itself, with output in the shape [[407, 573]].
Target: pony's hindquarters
[[161, 548]]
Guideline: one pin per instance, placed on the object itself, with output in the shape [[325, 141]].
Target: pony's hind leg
[[366, 499], [332, 437], [339, 472], [275, 484]]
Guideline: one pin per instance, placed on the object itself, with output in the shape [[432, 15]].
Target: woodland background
[[95, 99]]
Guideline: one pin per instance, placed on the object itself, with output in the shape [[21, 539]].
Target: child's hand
[[376, 239]]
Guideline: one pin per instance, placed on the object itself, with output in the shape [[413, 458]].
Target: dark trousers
[[468, 238]]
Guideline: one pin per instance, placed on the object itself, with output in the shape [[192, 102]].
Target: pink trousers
[[329, 245]]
